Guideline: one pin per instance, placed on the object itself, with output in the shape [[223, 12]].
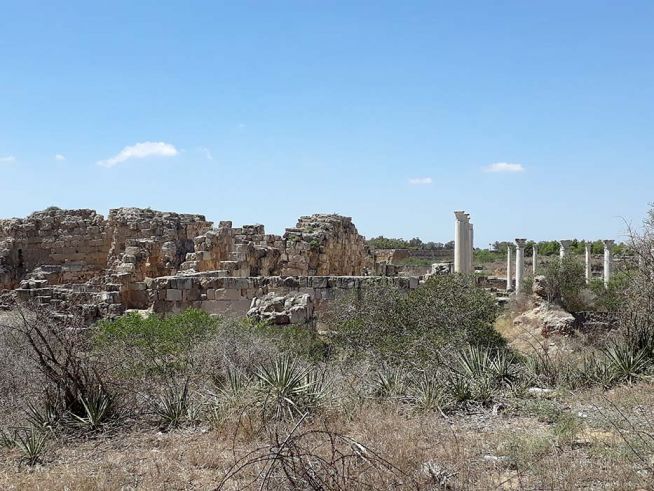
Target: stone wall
[[325, 245], [73, 239], [146, 259], [223, 295]]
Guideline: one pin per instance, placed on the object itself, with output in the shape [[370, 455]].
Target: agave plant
[[428, 394], [626, 362], [286, 390], [97, 407], [32, 445], [6, 440], [45, 419], [475, 362], [390, 383], [480, 364], [175, 407]]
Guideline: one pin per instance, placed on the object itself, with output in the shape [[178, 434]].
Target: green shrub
[[154, 344], [413, 329], [565, 282]]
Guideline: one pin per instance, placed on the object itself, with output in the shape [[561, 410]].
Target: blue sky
[[389, 112]]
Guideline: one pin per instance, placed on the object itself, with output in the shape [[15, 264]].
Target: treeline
[[552, 247], [382, 242]]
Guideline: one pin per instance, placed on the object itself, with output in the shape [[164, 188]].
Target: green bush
[[610, 298], [154, 344], [387, 325], [565, 282]]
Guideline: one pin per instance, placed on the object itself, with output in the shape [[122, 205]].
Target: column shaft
[[519, 263], [588, 245], [509, 265], [608, 245]]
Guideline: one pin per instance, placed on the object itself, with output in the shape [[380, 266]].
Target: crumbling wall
[[225, 295], [75, 240], [241, 252], [325, 245]]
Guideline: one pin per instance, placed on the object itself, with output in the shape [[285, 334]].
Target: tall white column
[[460, 228], [588, 245], [608, 245], [509, 266], [519, 263], [565, 248], [534, 258], [471, 248]]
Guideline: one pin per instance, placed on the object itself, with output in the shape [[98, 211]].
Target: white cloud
[[59, 157], [141, 151], [420, 181], [504, 167], [8, 159]]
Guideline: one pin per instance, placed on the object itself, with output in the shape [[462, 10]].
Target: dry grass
[[509, 450]]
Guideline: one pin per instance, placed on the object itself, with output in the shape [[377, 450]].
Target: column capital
[[608, 243], [461, 216], [565, 243], [520, 243]]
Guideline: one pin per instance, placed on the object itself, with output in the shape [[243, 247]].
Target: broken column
[[565, 248], [509, 265], [608, 245], [588, 245], [471, 248], [519, 263], [534, 254], [461, 240]]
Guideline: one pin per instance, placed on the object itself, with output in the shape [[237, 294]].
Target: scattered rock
[[549, 318], [294, 308]]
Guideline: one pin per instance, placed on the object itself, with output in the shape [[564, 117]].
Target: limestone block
[[173, 295]]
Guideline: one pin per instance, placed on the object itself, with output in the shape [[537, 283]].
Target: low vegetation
[[426, 390]]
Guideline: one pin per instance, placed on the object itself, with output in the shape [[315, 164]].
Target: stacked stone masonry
[[146, 259]]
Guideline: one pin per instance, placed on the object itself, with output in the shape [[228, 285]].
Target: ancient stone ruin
[[165, 262]]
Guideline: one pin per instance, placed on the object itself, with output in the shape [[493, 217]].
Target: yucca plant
[[475, 362], [288, 389], [6, 440], [428, 394], [97, 408], [626, 363], [481, 364], [42, 419], [459, 388], [174, 407], [32, 445], [390, 384], [234, 384]]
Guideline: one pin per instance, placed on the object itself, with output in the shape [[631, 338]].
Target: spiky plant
[[475, 362], [32, 445], [626, 363], [459, 389], [6, 440], [390, 384], [174, 407], [428, 394], [285, 390], [97, 409], [42, 419]]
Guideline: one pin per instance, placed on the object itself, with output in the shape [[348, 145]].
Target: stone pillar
[[565, 248], [509, 265], [471, 248], [534, 257], [608, 245], [588, 245], [460, 232], [519, 263]]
